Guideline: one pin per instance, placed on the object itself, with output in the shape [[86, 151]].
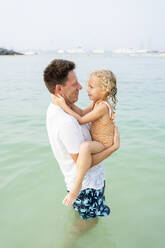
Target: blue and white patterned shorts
[[91, 203]]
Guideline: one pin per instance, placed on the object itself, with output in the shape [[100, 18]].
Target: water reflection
[[92, 233], [78, 228]]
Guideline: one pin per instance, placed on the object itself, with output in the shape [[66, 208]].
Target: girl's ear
[[107, 93]]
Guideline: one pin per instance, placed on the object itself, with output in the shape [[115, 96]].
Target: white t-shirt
[[65, 136]]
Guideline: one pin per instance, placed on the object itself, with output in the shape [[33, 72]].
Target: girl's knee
[[85, 146]]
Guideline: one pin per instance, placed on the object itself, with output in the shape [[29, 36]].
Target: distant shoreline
[[4, 51], [115, 53]]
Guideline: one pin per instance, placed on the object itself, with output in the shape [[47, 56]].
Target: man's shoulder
[[58, 115]]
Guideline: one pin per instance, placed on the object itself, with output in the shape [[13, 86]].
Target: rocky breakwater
[[4, 51]]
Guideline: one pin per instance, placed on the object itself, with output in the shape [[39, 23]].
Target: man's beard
[[69, 102]]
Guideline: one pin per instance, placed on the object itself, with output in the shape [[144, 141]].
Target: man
[[66, 135]]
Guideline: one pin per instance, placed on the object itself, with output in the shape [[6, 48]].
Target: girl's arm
[[77, 109], [82, 112], [99, 111]]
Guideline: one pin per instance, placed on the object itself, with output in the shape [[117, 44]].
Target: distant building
[[136, 52], [76, 50], [98, 51]]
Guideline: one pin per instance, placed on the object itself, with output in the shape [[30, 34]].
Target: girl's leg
[[83, 164], [84, 159]]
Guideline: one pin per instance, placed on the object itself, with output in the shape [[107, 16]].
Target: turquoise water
[[31, 184]]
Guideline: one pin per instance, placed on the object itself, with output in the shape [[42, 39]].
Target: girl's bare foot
[[71, 197]]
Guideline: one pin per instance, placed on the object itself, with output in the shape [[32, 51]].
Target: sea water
[[31, 184]]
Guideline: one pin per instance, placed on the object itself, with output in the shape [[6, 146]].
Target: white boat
[[60, 51]]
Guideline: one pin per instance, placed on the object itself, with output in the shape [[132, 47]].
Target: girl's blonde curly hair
[[107, 81]]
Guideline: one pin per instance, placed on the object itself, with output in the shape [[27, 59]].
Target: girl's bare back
[[102, 129]]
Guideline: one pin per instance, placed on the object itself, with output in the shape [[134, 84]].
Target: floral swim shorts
[[91, 203]]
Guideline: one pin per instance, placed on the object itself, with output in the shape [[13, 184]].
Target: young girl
[[101, 87]]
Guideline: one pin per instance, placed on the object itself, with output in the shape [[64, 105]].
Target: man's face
[[70, 90]]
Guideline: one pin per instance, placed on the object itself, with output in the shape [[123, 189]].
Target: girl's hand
[[59, 100]]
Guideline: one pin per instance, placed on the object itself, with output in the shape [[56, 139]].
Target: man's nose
[[79, 86]]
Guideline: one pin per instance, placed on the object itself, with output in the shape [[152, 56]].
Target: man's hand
[[116, 140]]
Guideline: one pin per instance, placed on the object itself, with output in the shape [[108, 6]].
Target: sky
[[91, 24]]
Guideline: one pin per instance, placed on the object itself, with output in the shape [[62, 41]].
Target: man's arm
[[99, 157]]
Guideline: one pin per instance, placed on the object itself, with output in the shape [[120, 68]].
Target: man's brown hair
[[57, 73]]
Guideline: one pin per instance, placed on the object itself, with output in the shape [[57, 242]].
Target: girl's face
[[95, 91]]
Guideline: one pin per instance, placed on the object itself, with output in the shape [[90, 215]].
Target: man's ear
[[57, 89]]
